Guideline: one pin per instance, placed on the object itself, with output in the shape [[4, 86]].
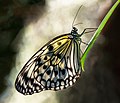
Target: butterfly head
[[74, 31]]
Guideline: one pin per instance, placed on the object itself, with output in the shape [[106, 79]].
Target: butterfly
[[55, 66]]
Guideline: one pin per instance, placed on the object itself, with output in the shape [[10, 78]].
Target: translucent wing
[[55, 66]]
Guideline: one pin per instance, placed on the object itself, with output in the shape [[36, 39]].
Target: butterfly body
[[55, 66]]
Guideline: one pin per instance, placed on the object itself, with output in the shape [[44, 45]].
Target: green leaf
[[98, 31]]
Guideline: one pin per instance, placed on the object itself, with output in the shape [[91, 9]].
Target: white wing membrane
[[56, 66]]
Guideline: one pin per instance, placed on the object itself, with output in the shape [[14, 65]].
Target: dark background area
[[12, 16], [99, 85]]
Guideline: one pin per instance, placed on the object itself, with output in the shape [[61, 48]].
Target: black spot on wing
[[59, 43], [48, 72], [50, 47], [44, 66], [58, 55], [63, 71], [38, 62], [45, 58], [56, 73]]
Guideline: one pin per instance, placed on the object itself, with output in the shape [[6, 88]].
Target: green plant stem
[[98, 31]]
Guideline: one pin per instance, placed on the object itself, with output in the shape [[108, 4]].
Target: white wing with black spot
[[55, 66]]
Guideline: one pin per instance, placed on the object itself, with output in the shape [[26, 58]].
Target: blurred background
[[26, 25]]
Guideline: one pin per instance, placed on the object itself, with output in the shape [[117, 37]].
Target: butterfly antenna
[[77, 24], [76, 16]]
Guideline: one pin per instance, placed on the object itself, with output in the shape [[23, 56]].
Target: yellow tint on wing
[[59, 42]]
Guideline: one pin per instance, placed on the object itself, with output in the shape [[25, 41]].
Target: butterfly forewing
[[55, 66]]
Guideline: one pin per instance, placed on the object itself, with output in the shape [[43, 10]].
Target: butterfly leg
[[81, 51], [85, 30], [84, 42]]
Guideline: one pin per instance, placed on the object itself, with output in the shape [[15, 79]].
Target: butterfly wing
[[55, 66]]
